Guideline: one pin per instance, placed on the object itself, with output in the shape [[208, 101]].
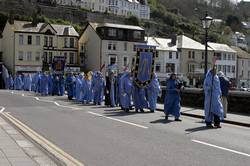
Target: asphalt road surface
[[100, 136]]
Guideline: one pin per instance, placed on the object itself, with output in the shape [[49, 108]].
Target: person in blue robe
[[56, 87], [9, 82], [74, 85], [213, 105], [28, 82], [44, 84], [69, 85], [153, 89], [172, 99], [18, 83], [78, 88], [50, 84], [61, 85], [37, 82], [88, 84], [140, 100], [98, 88], [126, 89]]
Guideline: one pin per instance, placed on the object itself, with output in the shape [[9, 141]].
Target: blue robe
[[89, 94], [172, 99], [126, 89], [61, 85], [9, 82], [18, 83], [44, 85], [74, 87], [153, 89], [139, 97], [28, 83], [112, 92], [98, 88], [78, 88], [69, 85], [50, 84], [215, 106]]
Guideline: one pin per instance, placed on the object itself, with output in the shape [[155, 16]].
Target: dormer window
[[137, 35], [112, 32]]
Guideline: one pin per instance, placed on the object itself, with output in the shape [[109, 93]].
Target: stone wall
[[191, 97]]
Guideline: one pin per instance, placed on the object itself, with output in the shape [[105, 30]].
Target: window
[[37, 56], [218, 56], [224, 56], [112, 60], [233, 69], [45, 57], [72, 42], [191, 68], [233, 57], [125, 61], [224, 69], [189, 54], [229, 56], [112, 32], [29, 40], [114, 46], [125, 46], [158, 67], [65, 42], [137, 35], [29, 56], [20, 55], [20, 39], [50, 57], [177, 55], [51, 41], [38, 40], [170, 67], [46, 41], [72, 58], [120, 34], [219, 67], [109, 46], [134, 47], [170, 55], [193, 55], [228, 69]]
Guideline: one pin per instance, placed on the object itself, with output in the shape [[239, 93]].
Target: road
[[100, 136]]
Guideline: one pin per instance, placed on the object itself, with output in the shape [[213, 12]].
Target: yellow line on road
[[43, 142]]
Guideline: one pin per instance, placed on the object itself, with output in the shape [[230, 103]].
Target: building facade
[[31, 48], [167, 60], [138, 8], [243, 68], [226, 59], [103, 44], [192, 60]]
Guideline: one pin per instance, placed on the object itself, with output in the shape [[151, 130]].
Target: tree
[[234, 23], [132, 20]]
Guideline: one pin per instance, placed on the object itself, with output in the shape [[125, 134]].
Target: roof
[[24, 26], [241, 53], [220, 47], [161, 43], [120, 26], [188, 43]]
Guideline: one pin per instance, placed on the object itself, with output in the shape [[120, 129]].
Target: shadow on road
[[197, 129], [163, 121]]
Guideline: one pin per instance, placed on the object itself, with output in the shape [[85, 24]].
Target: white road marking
[[2, 109], [222, 148], [22, 94], [118, 120]]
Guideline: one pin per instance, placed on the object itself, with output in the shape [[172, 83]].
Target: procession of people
[[120, 90]]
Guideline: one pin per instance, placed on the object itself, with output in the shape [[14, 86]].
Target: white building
[[104, 44], [167, 60], [138, 8], [226, 59], [239, 40]]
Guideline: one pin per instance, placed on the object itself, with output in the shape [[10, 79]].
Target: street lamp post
[[206, 22]]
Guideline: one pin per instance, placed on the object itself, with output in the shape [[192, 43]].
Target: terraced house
[[29, 47]]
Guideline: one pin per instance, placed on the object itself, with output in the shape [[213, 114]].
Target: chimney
[[173, 39]]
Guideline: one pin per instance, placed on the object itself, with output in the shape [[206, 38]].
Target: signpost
[[58, 64]]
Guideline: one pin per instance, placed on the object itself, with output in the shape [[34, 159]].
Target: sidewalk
[[236, 119], [16, 150]]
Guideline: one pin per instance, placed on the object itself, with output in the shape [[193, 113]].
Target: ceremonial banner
[[144, 67], [58, 64]]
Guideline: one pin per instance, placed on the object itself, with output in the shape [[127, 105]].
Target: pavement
[[232, 118], [101, 136], [16, 150]]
